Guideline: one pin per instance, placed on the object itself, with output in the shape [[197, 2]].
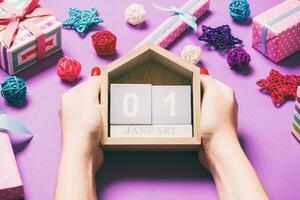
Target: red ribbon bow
[[13, 18]]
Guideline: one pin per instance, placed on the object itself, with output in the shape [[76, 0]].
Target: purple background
[[264, 129]]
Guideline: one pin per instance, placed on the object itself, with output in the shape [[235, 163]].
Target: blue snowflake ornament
[[82, 20]]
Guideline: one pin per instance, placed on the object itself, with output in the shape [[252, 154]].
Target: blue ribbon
[[12, 124], [188, 18], [271, 23]]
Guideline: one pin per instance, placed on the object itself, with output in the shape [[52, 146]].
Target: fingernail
[[96, 71], [204, 71]]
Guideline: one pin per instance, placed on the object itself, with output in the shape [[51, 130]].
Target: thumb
[[94, 82], [94, 85], [207, 83]]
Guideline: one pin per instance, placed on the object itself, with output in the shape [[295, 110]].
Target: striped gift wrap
[[296, 117]]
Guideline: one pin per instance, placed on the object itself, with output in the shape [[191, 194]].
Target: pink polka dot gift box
[[177, 23], [10, 182], [276, 32]]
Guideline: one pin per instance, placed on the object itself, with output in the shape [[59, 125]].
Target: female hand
[[218, 116], [81, 123], [221, 151]]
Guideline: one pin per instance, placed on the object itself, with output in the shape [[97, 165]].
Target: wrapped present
[[176, 24], [11, 187], [276, 32], [10, 182], [27, 37], [296, 117]]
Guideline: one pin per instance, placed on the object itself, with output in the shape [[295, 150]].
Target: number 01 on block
[[143, 110]]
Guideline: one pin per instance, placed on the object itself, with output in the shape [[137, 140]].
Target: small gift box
[[11, 187], [296, 117], [28, 33], [276, 32], [176, 24]]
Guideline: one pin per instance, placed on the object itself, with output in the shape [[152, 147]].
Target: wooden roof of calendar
[[146, 53]]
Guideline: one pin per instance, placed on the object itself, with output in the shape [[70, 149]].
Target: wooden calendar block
[[151, 131], [171, 104], [130, 104]]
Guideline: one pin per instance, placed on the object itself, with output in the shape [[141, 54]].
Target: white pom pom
[[191, 54], [135, 14]]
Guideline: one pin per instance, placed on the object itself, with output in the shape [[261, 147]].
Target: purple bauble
[[238, 58]]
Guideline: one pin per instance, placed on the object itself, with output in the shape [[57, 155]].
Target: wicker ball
[[104, 43], [239, 10], [238, 58], [14, 90], [68, 68], [191, 54], [135, 14]]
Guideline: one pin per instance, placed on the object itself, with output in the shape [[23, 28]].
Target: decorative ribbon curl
[[187, 17], [12, 124], [12, 18]]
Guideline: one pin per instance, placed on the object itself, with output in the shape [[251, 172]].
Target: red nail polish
[[96, 71], [203, 71]]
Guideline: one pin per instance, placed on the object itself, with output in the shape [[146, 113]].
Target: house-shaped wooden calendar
[[151, 101]]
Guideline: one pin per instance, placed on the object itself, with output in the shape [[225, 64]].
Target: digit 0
[[135, 105]]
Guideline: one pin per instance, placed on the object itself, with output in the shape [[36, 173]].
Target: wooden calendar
[[151, 100]]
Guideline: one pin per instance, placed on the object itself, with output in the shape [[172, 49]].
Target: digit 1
[[171, 99], [135, 105]]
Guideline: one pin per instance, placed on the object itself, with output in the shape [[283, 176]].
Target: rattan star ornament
[[82, 20], [280, 86]]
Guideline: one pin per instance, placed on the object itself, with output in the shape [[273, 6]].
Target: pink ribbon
[[13, 18]]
